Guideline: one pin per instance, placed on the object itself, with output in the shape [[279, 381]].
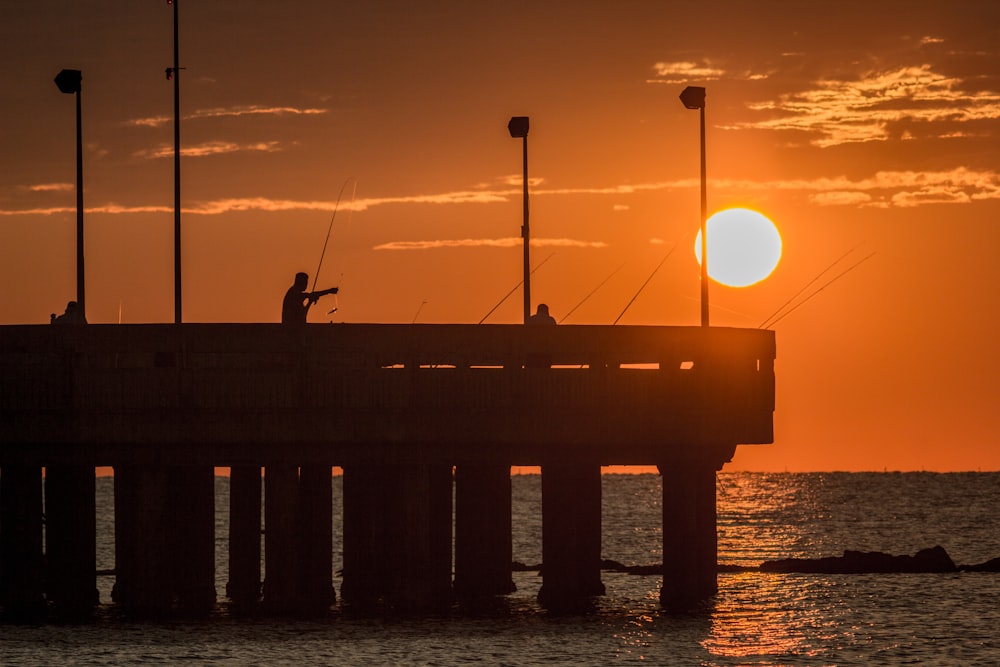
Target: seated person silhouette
[[72, 315], [540, 359], [295, 306]]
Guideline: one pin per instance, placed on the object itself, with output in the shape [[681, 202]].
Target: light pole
[[69, 81], [174, 73], [518, 128], [693, 97]]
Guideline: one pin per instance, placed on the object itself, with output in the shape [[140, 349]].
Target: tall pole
[[525, 234], [81, 292], [69, 81], [518, 128], [704, 227], [693, 97], [177, 175]]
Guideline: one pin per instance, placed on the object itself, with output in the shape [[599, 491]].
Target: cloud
[[685, 71], [49, 187], [211, 148], [507, 242], [874, 107], [883, 189], [226, 112]]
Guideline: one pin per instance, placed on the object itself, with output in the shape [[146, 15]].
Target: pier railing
[[226, 394]]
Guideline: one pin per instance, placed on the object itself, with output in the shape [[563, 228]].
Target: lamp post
[[518, 128], [69, 81], [174, 72], [693, 97]]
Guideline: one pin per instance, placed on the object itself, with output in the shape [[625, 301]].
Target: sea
[[755, 619]]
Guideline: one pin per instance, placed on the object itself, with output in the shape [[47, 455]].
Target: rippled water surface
[[756, 619]]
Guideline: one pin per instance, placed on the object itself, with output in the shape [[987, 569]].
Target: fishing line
[[507, 295], [807, 285], [591, 293], [636, 296], [837, 277], [329, 230]]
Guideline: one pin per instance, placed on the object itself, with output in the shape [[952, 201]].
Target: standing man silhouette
[[297, 301]]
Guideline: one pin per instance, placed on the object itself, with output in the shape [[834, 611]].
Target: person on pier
[[295, 306], [540, 358], [542, 316], [72, 315]]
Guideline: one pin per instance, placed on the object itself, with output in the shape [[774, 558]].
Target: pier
[[426, 422]]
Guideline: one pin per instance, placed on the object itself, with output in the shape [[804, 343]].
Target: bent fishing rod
[[329, 230]]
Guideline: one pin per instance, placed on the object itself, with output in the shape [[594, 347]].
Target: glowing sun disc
[[744, 247]]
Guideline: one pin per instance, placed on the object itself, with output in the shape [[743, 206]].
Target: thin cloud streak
[[211, 148], [224, 112], [886, 189], [508, 242]]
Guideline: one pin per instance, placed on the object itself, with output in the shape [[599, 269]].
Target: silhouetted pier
[[412, 413]]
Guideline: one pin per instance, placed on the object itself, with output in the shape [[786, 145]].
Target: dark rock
[[935, 559], [992, 565]]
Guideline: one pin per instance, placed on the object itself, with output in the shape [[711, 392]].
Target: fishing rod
[[417, 314], [329, 230], [807, 285], [827, 284], [591, 293], [507, 295], [639, 291]]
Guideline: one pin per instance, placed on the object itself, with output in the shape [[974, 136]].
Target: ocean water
[[756, 618]]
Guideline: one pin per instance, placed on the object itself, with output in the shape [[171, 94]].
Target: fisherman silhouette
[[540, 358], [542, 316], [72, 315], [295, 306]]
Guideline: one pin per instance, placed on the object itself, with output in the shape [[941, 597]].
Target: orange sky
[[857, 127]]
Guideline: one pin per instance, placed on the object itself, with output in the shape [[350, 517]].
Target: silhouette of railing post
[[571, 534], [21, 558], [71, 539], [690, 542], [483, 548]]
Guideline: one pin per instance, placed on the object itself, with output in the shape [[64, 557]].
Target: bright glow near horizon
[[744, 247]]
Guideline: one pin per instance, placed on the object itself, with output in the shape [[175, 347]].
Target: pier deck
[[413, 400]]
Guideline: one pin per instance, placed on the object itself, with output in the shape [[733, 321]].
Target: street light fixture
[[69, 81], [518, 128], [693, 97]]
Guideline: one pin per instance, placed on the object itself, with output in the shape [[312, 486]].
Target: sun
[[744, 247]]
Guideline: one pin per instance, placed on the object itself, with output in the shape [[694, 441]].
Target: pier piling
[[71, 539], [571, 534], [483, 549]]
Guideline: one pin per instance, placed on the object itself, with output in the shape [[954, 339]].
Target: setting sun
[[744, 247]]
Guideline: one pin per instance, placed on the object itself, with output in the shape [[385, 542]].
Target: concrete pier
[[399, 408]]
